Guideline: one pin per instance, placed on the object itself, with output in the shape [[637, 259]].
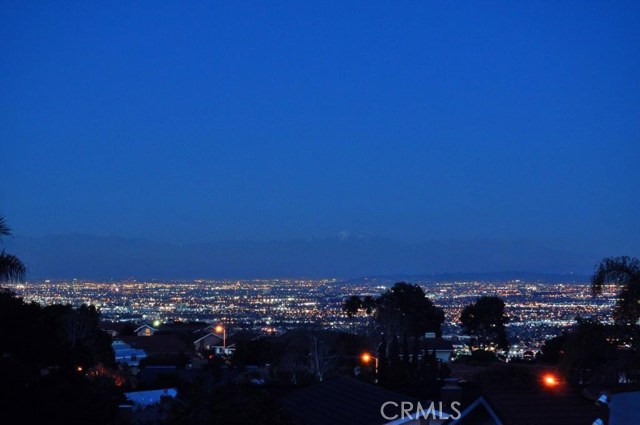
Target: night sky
[[213, 121]]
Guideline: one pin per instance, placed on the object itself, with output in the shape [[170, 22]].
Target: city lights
[[537, 310]]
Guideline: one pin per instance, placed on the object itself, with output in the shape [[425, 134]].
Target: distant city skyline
[[537, 309]]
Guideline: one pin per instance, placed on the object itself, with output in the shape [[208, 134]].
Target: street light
[[222, 330], [550, 380], [366, 358]]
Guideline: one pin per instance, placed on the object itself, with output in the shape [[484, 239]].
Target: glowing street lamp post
[[366, 358], [222, 330], [550, 380]]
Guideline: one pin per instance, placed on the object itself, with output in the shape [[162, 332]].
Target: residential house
[[442, 348], [215, 343], [125, 354], [145, 330], [532, 406], [430, 344]]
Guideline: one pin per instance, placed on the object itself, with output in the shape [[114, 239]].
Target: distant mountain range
[[94, 257], [475, 276]]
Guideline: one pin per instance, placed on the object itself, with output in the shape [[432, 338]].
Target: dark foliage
[[405, 309], [302, 356], [509, 376], [588, 354], [625, 272], [553, 349], [11, 268], [351, 306], [128, 329], [45, 353], [592, 352], [200, 403], [403, 314], [485, 321]]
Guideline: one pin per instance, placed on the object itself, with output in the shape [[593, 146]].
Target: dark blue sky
[[247, 120]]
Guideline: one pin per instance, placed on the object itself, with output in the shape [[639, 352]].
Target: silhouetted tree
[[302, 355], [129, 329], [428, 373], [485, 321], [46, 352], [369, 305], [405, 350], [587, 355], [405, 309], [553, 349], [11, 268], [323, 357], [415, 363], [383, 361], [624, 272], [396, 365], [351, 307]]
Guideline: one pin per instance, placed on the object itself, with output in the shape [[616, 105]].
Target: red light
[[550, 380]]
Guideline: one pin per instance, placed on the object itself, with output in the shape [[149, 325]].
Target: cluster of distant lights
[[536, 308]]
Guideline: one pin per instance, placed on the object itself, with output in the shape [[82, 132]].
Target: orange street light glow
[[219, 328], [550, 380], [366, 357]]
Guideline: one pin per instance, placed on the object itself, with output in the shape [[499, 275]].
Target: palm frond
[[619, 270], [4, 229], [11, 268]]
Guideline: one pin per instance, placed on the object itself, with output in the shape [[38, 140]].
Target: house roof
[[207, 328], [517, 395], [341, 401], [128, 352], [209, 335], [145, 326], [478, 412], [232, 339], [118, 343], [557, 406], [242, 336], [624, 410], [146, 398]]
